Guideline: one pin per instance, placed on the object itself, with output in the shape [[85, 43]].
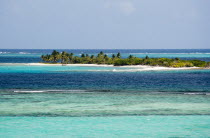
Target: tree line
[[116, 60]]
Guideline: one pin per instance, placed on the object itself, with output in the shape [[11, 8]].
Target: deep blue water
[[185, 81]]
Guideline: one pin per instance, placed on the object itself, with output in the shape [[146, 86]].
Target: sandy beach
[[145, 67], [131, 67]]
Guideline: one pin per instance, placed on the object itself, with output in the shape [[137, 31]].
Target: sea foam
[[52, 91]]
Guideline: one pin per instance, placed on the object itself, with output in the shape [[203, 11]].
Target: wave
[[110, 53], [23, 53], [51, 91], [29, 91], [92, 90], [15, 53], [197, 93], [4, 52]]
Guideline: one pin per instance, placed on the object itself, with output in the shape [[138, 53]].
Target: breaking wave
[[51, 91], [4, 52], [24, 53], [197, 93]]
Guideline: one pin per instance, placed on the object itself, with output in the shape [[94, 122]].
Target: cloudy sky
[[119, 24]]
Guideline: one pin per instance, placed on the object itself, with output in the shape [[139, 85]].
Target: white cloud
[[124, 6], [127, 7]]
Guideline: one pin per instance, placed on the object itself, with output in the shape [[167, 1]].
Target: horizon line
[[101, 48]]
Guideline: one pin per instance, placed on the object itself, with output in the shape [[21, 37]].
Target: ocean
[[103, 101]]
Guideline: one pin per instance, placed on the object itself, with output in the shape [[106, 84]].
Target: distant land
[[116, 60]]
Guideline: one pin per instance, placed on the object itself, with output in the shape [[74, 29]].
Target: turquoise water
[[77, 101], [21, 68], [77, 113], [124, 126], [85, 103], [58, 69]]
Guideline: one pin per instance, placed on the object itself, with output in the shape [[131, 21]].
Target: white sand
[[85, 65], [146, 67], [131, 67]]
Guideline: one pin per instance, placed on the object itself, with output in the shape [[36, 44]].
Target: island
[[101, 58]]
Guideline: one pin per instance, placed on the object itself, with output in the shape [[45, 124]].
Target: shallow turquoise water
[[69, 113], [84, 103], [124, 126], [21, 68], [58, 69]]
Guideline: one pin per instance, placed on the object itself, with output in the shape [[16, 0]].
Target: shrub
[[198, 63], [121, 62]]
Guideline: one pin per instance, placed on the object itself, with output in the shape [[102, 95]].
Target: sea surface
[[105, 101]]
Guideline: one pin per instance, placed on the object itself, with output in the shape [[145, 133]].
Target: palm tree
[[46, 58], [92, 56], [43, 58], [101, 53], [64, 57], [91, 59], [147, 57], [177, 59], [106, 58], [83, 55], [118, 55], [55, 56], [70, 57], [113, 56], [130, 56]]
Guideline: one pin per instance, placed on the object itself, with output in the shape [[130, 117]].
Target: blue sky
[[119, 24]]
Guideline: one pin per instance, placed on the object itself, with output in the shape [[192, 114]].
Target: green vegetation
[[116, 60]]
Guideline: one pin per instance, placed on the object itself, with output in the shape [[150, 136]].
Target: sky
[[104, 24]]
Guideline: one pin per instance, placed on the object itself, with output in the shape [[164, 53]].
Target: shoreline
[[142, 67]]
